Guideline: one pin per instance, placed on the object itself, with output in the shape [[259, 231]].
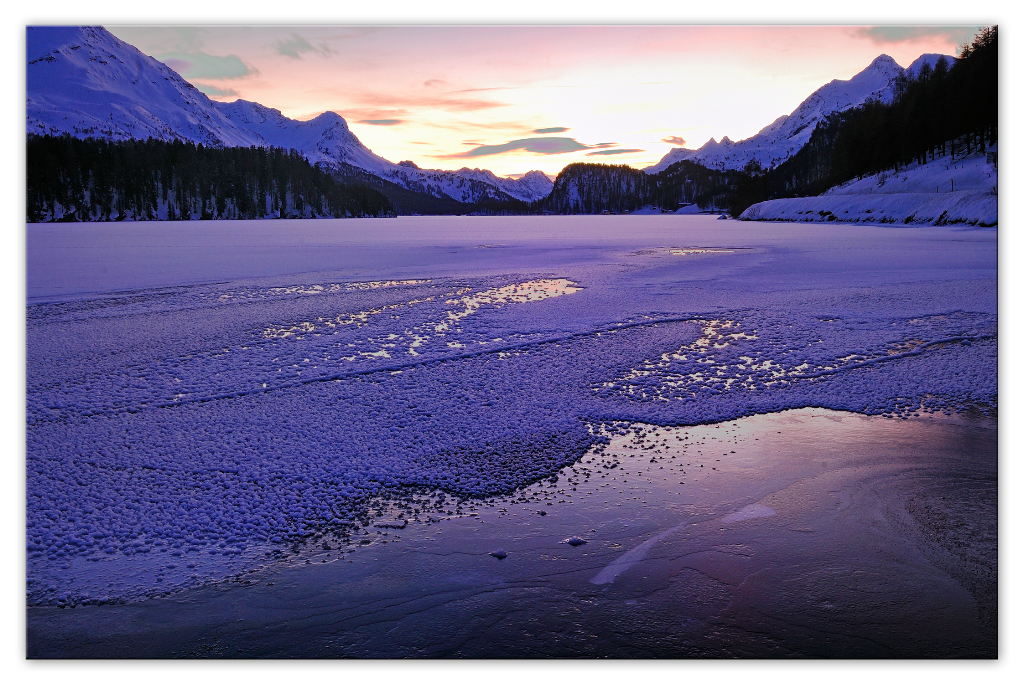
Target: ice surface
[[631, 557], [168, 424], [750, 512]]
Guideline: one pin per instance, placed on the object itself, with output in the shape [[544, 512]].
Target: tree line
[[71, 179]]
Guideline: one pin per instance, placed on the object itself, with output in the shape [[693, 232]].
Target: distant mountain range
[[85, 82], [782, 138]]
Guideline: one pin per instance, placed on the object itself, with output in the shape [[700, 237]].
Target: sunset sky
[[512, 99], [517, 98]]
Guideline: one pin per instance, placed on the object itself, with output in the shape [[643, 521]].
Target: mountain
[[781, 139], [86, 82]]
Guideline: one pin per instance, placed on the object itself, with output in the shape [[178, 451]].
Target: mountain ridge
[[86, 82], [782, 138]]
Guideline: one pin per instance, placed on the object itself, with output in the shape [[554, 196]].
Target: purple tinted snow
[[168, 421]]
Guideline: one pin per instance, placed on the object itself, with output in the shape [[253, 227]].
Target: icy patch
[[700, 250], [749, 513]]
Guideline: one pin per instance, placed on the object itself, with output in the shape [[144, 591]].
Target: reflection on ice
[[465, 301], [767, 353], [518, 293]]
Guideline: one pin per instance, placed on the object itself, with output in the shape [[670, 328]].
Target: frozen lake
[[213, 398], [70, 259]]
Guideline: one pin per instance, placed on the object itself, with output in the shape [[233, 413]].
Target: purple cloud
[[535, 145], [619, 151]]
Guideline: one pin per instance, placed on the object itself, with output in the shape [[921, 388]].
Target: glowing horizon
[[518, 98]]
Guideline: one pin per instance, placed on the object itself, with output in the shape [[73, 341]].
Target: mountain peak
[[780, 139], [883, 62], [330, 117], [881, 70]]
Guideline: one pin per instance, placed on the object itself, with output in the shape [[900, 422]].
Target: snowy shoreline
[[938, 193], [971, 208]]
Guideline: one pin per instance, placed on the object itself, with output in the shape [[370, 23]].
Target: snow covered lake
[[207, 400]]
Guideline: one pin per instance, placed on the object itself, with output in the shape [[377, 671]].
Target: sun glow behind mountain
[[498, 97]]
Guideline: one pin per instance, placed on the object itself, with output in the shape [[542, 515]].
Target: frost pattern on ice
[[764, 359], [167, 427]]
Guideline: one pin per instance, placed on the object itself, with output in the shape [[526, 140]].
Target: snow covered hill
[[939, 192], [86, 82], [781, 139]]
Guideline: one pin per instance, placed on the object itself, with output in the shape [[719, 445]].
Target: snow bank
[[943, 191], [971, 208]]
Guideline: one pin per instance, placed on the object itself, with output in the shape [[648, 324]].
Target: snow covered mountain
[[781, 139], [86, 82]]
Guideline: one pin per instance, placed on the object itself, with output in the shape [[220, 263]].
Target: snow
[[473, 356], [88, 83], [943, 190], [646, 211], [782, 138]]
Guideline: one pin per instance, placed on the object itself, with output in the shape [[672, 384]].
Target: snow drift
[[942, 191]]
